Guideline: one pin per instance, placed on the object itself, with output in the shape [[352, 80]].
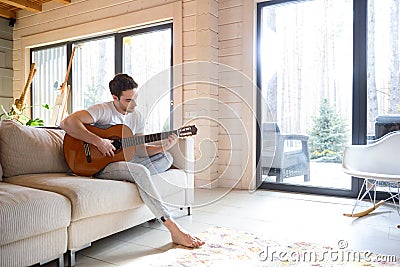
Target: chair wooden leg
[[365, 212], [370, 186]]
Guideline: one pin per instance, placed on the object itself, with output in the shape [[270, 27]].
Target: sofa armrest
[[183, 154]]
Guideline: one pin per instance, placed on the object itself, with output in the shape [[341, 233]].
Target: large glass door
[[383, 94], [305, 74], [383, 103]]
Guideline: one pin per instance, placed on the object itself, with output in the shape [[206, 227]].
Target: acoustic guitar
[[86, 160]]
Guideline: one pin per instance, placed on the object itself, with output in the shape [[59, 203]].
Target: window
[[145, 54], [147, 57], [51, 68], [93, 68]]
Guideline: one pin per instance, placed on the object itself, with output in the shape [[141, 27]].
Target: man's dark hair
[[121, 82]]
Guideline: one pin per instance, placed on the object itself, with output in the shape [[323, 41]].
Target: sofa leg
[[71, 254], [60, 262], [71, 258]]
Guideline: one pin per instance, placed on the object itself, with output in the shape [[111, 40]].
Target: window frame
[[118, 54]]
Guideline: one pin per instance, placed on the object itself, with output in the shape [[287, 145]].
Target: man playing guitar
[[148, 159]]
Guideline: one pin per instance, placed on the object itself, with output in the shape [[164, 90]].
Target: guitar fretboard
[[143, 139]]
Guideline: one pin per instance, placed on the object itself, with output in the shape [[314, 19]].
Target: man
[[149, 159]]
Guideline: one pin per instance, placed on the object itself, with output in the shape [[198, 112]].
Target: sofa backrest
[[26, 150]]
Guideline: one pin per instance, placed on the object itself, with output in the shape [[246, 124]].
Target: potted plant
[[16, 114]]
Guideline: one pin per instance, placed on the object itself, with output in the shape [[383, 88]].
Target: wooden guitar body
[[85, 160]]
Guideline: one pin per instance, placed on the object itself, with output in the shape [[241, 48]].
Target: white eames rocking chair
[[379, 165]]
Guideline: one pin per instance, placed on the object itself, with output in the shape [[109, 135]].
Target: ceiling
[[8, 8]]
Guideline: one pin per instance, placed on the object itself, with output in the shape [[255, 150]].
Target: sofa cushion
[[92, 197], [26, 212], [25, 150], [88, 196]]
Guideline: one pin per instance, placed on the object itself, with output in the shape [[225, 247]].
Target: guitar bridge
[[87, 152]]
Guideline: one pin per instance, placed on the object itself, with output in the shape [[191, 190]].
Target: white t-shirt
[[105, 114]]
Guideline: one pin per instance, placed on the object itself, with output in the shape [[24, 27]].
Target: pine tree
[[328, 135]]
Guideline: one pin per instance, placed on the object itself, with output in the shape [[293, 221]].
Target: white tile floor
[[275, 215]]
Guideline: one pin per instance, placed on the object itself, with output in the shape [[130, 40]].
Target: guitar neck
[[143, 139]]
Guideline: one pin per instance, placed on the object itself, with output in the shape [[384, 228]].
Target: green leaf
[[17, 115], [46, 106], [35, 122]]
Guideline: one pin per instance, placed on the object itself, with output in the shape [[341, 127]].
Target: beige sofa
[[46, 211]]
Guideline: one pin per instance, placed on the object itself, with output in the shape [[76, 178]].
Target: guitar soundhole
[[117, 144]]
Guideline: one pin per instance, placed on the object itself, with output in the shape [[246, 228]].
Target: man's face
[[126, 102]]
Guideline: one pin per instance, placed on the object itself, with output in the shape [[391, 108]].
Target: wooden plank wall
[[6, 68], [220, 31]]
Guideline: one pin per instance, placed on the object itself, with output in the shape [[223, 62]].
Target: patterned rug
[[227, 247]]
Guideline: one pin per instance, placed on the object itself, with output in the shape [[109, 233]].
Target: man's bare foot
[[187, 240], [181, 237]]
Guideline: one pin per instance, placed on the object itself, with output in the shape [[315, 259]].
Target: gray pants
[[138, 171]]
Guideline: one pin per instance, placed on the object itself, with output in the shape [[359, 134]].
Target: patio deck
[[329, 175]]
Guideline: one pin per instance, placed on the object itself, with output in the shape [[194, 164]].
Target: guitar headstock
[[187, 131]]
